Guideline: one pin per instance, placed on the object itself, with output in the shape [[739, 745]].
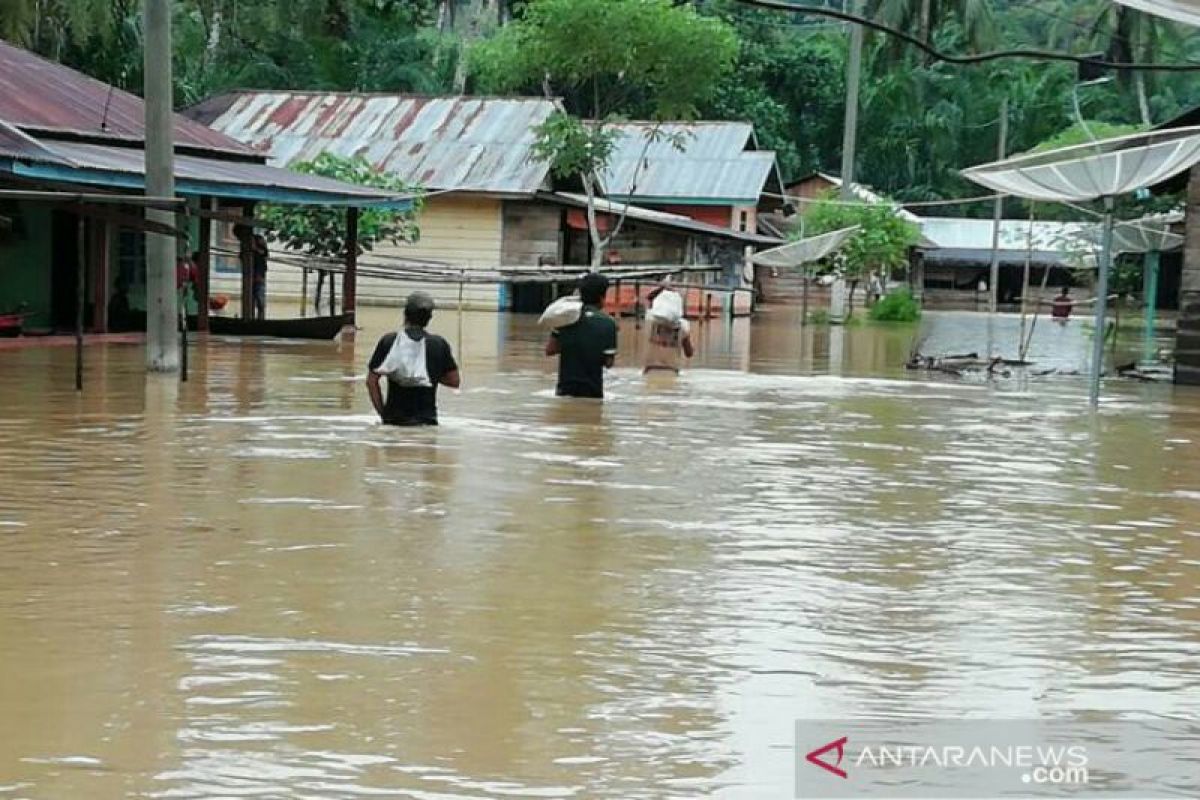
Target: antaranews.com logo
[[997, 758]]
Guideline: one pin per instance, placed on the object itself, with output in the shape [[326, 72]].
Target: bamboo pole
[[1025, 280]]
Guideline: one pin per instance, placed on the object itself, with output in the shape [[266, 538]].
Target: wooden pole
[[304, 292], [1025, 280], [332, 296], [804, 299], [204, 266], [350, 276], [246, 246], [81, 245], [997, 215]]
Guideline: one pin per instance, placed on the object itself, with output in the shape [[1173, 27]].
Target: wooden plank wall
[[532, 231], [1187, 334]]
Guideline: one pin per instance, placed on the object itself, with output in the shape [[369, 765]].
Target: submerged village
[[599, 398]]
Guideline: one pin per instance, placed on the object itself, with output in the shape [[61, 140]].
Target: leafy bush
[[818, 316], [897, 306]]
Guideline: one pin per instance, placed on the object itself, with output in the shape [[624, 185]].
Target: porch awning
[[122, 167], [1185, 11]]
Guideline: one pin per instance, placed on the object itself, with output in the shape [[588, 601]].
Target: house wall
[[459, 231], [25, 264], [713, 215], [1187, 332], [532, 231], [810, 188]]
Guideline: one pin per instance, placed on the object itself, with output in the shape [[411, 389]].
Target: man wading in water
[[587, 347], [415, 362]]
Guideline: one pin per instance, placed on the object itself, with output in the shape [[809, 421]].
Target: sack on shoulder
[[562, 312]]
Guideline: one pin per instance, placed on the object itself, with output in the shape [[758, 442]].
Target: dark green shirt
[[585, 347]]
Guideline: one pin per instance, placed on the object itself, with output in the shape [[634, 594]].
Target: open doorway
[[64, 271]]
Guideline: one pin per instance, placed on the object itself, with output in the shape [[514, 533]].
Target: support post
[[204, 265], [1150, 300], [850, 120], [997, 215], [304, 292], [350, 276], [162, 309], [246, 256], [80, 265], [804, 297], [1101, 305]]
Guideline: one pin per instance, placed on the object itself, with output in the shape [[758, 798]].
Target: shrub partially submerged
[[897, 306]]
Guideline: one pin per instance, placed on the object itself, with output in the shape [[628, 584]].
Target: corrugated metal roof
[[976, 234], [662, 218], [104, 165], [698, 162], [475, 144], [40, 94], [15, 144]]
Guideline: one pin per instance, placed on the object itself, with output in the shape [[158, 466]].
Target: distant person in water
[[415, 363], [588, 347], [259, 253], [670, 335], [1061, 307]]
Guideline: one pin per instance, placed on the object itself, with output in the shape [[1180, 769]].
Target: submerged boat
[[295, 328], [11, 324]]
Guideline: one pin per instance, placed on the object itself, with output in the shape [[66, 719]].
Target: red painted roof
[[39, 94]]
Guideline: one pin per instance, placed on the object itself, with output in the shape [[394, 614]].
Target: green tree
[[321, 231], [606, 59], [881, 243]]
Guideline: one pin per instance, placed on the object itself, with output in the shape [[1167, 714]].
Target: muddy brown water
[[245, 587]]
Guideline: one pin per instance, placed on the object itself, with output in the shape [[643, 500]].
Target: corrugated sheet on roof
[[700, 161], [16, 144], [104, 165], [738, 179], [36, 93], [976, 234], [476, 144], [662, 218]]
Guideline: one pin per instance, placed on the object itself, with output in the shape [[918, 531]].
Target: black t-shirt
[[584, 349], [414, 405]]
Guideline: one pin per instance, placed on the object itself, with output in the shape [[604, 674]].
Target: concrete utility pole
[[997, 215], [162, 312], [850, 123]]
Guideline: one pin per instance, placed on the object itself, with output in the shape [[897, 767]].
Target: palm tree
[[1128, 35], [975, 17]]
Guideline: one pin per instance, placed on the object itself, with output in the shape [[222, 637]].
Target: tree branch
[[977, 58]]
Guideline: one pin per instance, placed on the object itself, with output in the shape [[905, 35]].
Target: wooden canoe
[[295, 328]]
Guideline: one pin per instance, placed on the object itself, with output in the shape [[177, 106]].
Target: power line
[[974, 58]]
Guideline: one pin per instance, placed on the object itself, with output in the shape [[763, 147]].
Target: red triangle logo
[[815, 757]]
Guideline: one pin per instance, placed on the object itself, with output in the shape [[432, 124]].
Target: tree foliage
[[606, 59], [881, 243], [321, 231], [920, 122]]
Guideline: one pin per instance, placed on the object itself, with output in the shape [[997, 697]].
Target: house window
[[743, 220]]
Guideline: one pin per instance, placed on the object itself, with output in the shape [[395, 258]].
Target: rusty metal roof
[[37, 94], [94, 164], [16, 144], [688, 162], [473, 144]]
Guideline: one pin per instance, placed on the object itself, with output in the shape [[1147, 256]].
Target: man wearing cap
[[414, 362], [587, 347]]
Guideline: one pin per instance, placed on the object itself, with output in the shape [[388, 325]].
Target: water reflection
[[243, 585]]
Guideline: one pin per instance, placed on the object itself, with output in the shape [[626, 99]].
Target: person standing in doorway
[[587, 347], [260, 254], [415, 363]]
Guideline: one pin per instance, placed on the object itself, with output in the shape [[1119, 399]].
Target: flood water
[[243, 586]]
